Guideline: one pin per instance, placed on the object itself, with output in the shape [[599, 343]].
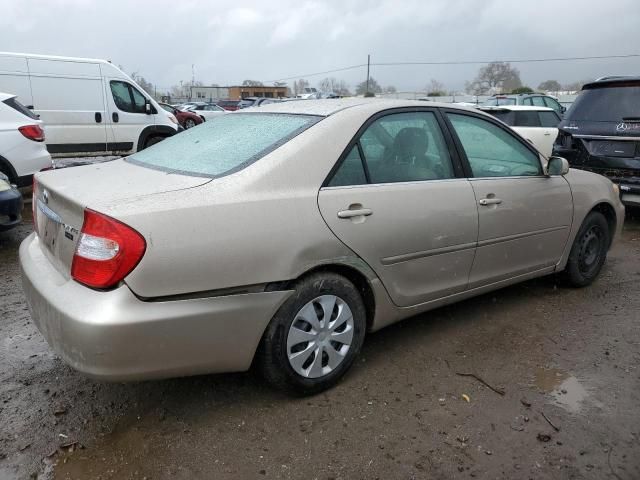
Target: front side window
[[551, 103], [538, 101], [127, 98], [224, 144], [491, 150]]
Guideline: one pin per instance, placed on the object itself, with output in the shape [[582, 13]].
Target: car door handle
[[490, 201], [547, 134], [115, 117], [360, 212], [98, 117]]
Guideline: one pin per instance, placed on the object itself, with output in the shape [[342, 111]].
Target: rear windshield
[[499, 101], [224, 144], [607, 104], [16, 105]]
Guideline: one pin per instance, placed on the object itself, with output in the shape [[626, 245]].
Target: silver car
[[280, 236]]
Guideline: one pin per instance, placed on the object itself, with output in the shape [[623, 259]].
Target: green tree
[[523, 89]]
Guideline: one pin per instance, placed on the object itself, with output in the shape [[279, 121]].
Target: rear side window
[[224, 144], [351, 171], [549, 119], [606, 104], [16, 105], [492, 151], [527, 119]]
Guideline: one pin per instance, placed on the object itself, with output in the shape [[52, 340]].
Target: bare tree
[[299, 86], [333, 85], [550, 86], [146, 86], [389, 89], [374, 87], [252, 83], [435, 88], [495, 77]]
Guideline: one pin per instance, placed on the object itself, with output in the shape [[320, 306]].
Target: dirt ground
[[402, 412]]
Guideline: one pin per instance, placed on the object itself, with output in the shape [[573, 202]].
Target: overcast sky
[[229, 41]]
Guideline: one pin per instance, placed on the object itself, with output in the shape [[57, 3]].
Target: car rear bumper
[[10, 209], [115, 335]]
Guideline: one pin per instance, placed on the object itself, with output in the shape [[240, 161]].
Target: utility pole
[[368, 65], [193, 74]]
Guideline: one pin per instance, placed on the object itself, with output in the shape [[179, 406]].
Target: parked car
[[90, 107], [186, 118], [256, 102], [531, 99], [10, 204], [22, 148], [229, 105], [280, 236], [539, 125], [601, 133], [205, 111]]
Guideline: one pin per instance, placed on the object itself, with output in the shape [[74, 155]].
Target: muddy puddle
[[565, 389]]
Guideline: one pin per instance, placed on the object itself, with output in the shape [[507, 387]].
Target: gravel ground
[[402, 412]]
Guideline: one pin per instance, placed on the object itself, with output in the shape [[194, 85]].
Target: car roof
[[613, 79], [515, 108], [326, 107]]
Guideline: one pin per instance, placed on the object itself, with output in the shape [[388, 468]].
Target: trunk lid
[[62, 195]]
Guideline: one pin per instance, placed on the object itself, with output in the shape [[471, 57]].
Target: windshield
[[224, 144], [607, 104]]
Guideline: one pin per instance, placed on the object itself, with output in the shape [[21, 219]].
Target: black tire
[[189, 123], [588, 252], [272, 358], [152, 141]]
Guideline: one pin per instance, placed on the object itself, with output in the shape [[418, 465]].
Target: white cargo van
[[89, 107]]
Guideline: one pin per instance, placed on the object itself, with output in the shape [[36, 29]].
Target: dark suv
[[601, 133]]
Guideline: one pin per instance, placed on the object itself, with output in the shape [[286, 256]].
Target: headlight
[[4, 177], [4, 184]]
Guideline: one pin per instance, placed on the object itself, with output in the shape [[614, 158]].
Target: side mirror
[[147, 107], [557, 166]]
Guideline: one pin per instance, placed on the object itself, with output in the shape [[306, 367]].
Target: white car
[[22, 148], [539, 125], [206, 111]]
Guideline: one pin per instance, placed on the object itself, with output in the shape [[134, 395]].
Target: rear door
[[527, 123], [524, 216], [398, 199]]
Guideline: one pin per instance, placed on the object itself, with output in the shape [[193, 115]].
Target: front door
[[127, 116], [524, 216], [399, 201]]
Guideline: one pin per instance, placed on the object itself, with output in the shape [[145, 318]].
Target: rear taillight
[[107, 251], [32, 132]]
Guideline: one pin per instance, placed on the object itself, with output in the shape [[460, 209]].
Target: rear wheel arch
[[354, 275], [8, 170]]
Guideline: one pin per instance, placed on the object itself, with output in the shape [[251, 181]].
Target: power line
[[461, 62]]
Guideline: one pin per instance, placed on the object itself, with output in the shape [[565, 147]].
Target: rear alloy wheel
[[589, 251], [189, 123], [315, 336]]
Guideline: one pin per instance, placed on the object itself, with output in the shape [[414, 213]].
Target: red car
[[230, 105], [186, 119]]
